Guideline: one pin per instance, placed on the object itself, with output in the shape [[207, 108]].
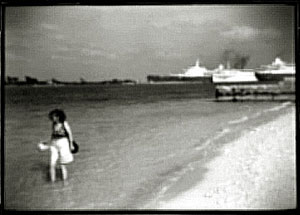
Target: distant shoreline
[[109, 84]]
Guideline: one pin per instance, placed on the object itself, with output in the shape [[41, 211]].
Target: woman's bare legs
[[52, 173], [64, 172], [53, 160]]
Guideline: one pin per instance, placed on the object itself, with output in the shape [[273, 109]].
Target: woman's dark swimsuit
[[59, 131]]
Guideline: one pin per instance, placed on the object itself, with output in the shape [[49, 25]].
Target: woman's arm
[[70, 136]]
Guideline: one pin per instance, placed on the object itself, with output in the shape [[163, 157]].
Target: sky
[[130, 42]]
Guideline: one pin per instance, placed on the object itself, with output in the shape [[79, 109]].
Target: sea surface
[[137, 142]]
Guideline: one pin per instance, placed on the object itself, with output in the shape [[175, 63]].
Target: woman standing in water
[[61, 143]]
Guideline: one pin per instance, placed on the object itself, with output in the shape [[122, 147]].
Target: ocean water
[[137, 142]]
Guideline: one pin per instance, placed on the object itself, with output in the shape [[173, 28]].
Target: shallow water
[[135, 141]]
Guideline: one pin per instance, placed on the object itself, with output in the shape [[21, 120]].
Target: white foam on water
[[243, 119], [188, 168], [171, 155], [174, 179], [279, 107], [206, 143], [257, 114], [219, 135]]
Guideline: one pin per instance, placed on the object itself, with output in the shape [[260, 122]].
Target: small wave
[[222, 133], [243, 119], [190, 167], [279, 107], [207, 142], [171, 181], [257, 114]]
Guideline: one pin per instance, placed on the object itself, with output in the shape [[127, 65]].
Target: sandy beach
[[255, 171]]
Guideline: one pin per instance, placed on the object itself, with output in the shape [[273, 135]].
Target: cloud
[[59, 37], [14, 57], [63, 49], [60, 57], [177, 20], [168, 55], [98, 52], [247, 33], [49, 26]]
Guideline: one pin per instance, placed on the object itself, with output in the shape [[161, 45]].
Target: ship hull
[[272, 76], [234, 77], [165, 79]]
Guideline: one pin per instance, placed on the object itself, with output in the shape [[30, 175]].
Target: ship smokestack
[[228, 64], [197, 63], [232, 57]]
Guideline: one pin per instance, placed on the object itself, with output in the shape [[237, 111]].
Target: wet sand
[[255, 171]]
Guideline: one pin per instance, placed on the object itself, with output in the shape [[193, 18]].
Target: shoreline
[[255, 171]]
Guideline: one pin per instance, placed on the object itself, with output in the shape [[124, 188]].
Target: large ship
[[195, 73], [277, 71]]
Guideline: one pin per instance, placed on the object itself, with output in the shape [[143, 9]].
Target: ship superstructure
[[195, 73]]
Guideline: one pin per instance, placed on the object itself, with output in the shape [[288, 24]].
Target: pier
[[278, 91]]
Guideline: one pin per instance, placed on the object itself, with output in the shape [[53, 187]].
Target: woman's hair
[[59, 113]]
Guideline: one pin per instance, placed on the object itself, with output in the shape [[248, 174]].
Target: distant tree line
[[10, 80]]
